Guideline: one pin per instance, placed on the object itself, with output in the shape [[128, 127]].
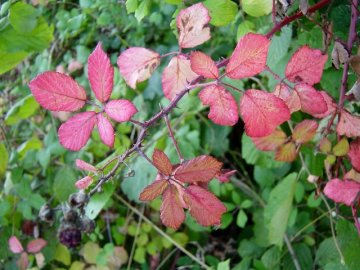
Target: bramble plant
[[270, 118]]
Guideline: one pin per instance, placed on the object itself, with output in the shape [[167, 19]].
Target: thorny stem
[[171, 133]]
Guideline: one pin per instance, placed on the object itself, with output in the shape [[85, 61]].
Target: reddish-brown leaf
[[199, 169], [270, 142], [36, 245], [154, 190], [249, 56], [203, 65], [106, 130], [290, 97], [331, 105], [171, 212], [345, 191], [286, 152], [224, 175], [84, 183], [176, 76], [354, 154], [204, 206], [14, 245], [306, 65], [23, 261], [304, 131], [162, 162], [83, 165], [348, 125], [262, 112], [223, 107], [192, 26], [312, 101]]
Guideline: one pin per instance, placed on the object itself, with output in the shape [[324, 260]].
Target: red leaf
[[348, 125], [83, 165], [223, 107], [101, 74], [345, 191], [224, 175], [199, 169], [262, 112], [15, 245], [171, 212], [23, 261], [290, 97], [154, 190], [106, 130], [354, 154], [305, 131], [136, 64], [306, 65], [84, 183], [36, 245], [249, 56], [75, 132], [331, 106], [192, 26], [203, 65], [270, 142], [176, 76], [312, 101], [204, 206], [162, 162], [121, 110], [286, 152], [57, 92]]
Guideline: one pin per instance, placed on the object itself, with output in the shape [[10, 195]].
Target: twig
[[292, 252], [162, 233], [166, 118], [232, 87]]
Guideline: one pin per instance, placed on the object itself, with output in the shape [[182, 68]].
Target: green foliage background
[[264, 200]]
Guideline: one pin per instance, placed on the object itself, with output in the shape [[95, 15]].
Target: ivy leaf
[[100, 74], [354, 154], [57, 92], [199, 169], [204, 206], [306, 65], [304, 131], [270, 142], [171, 212], [286, 152], [331, 106], [83, 165], [106, 130], [84, 183], [312, 101], [75, 132], [223, 107], [36, 245], [120, 110], [15, 245], [192, 26], [203, 65], [154, 190], [136, 64], [262, 112], [290, 97], [342, 191], [249, 56], [176, 76], [162, 162], [348, 125]]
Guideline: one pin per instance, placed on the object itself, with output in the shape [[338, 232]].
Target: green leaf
[[327, 253], [90, 251], [22, 109], [139, 256], [23, 17], [4, 159], [222, 12], [279, 47], [174, 2], [62, 255], [64, 184], [244, 28], [99, 200], [271, 258], [304, 256], [143, 10], [341, 148], [225, 265], [131, 6], [349, 242], [241, 219], [257, 8], [10, 60], [32, 144], [277, 211]]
